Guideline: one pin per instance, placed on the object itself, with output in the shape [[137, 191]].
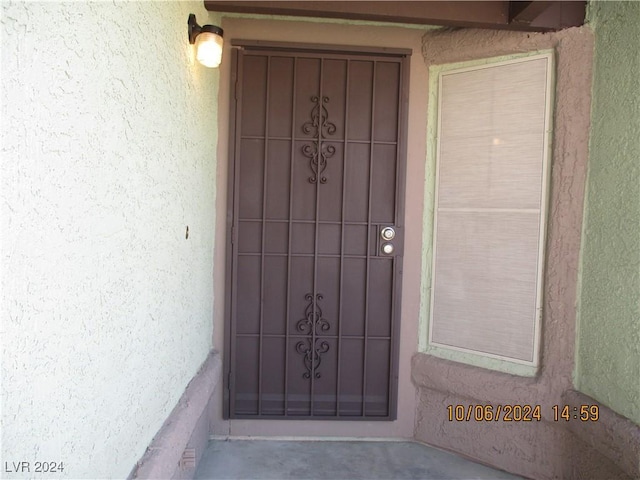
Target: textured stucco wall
[[108, 153], [543, 449], [608, 356]]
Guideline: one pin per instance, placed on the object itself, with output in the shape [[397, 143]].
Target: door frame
[[233, 196]]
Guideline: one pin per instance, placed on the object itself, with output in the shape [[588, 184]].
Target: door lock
[[388, 233]]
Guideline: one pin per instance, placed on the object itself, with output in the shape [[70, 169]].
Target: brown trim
[[537, 16], [319, 49], [456, 13], [526, 12]]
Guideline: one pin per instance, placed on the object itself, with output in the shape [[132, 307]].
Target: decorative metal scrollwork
[[312, 356], [312, 324], [317, 152], [311, 321]]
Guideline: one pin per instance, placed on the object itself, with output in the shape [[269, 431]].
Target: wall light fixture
[[208, 42]]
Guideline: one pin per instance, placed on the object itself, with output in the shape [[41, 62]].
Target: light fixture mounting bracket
[[195, 29]]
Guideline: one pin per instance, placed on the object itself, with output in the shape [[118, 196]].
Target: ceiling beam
[[559, 15], [455, 13], [498, 14], [526, 12]]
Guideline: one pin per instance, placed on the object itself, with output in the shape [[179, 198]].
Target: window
[[490, 208]]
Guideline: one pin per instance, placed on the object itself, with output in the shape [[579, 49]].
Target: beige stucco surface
[[336, 34], [108, 153], [538, 449], [608, 355]]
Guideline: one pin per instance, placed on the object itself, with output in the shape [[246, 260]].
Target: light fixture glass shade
[[209, 49]]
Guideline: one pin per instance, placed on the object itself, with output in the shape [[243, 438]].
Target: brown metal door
[[317, 177]]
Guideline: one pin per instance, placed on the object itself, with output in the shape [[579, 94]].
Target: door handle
[[387, 248]]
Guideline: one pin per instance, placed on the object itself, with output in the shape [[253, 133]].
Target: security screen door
[[316, 205]]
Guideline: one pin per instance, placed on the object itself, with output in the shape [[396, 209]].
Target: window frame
[[463, 354]]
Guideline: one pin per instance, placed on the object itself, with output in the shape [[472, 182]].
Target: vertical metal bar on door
[[345, 148], [368, 261], [315, 247], [288, 308], [234, 227], [396, 221], [264, 229]]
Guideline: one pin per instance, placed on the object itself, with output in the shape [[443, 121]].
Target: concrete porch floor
[[336, 460]]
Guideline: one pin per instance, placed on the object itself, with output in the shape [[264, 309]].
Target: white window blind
[[491, 184]]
